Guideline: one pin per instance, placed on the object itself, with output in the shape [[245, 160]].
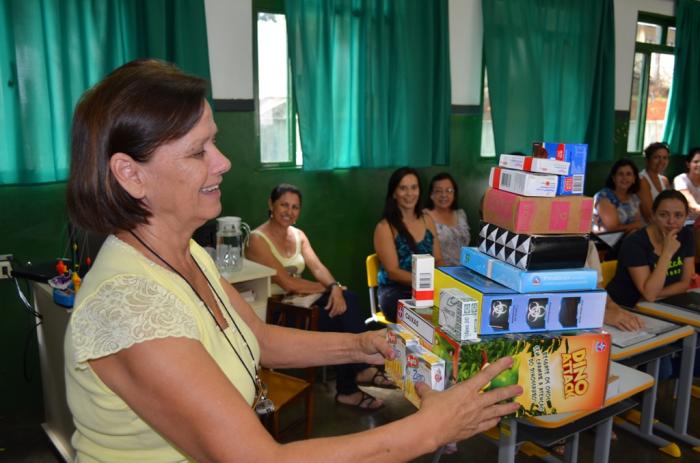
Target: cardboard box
[[420, 322], [502, 310], [523, 183], [524, 281], [399, 338], [422, 366], [533, 252], [558, 372], [458, 314], [575, 154], [533, 164], [422, 285], [538, 216]]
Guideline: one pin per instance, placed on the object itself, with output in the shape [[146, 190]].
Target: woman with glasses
[[450, 220], [403, 231], [652, 181]]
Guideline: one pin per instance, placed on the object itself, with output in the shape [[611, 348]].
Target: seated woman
[[616, 206], [651, 178], [450, 221], [658, 260], [403, 231], [689, 184], [278, 244]]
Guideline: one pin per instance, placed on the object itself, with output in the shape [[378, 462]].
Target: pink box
[[544, 216]]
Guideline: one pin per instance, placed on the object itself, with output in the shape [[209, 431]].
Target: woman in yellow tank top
[[277, 243]]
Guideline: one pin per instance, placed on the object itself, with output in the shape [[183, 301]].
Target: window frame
[[490, 160], [646, 50], [274, 7]]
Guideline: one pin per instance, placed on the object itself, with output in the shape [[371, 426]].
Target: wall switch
[[5, 266]]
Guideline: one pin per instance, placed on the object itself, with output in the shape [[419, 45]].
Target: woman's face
[[182, 178], [407, 192], [694, 165], [670, 215], [443, 194], [658, 161], [285, 209], [624, 178]]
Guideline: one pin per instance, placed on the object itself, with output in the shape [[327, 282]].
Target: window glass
[[671, 37], [649, 33], [635, 109], [660, 79], [488, 145], [273, 88]]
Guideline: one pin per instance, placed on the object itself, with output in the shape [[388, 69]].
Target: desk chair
[[608, 269], [282, 390], [372, 266]]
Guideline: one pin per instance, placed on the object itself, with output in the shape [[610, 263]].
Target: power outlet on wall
[[5, 266]]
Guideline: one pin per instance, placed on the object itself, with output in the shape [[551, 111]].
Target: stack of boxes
[[523, 290]]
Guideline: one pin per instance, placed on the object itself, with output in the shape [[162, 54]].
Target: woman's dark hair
[[281, 189], [669, 194], [134, 110], [610, 183], [691, 154], [392, 213], [653, 147], [442, 176]]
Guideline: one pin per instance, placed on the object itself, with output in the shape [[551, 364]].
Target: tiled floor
[[23, 441]]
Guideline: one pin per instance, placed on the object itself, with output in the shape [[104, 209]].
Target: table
[[547, 430], [255, 277], [685, 382]]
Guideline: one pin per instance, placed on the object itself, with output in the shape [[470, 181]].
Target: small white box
[[422, 366], [399, 338], [523, 183], [422, 279], [459, 314], [533, 164], [420, 325]]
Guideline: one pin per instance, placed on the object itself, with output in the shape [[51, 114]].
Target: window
[[652, 75], [278, 125], [488, 144]]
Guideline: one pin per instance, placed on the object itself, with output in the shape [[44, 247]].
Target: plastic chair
[[372, 266], [282, 390], [608, 269]]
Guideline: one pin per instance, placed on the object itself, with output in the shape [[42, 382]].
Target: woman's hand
[[671, 243], [336, 302], [622, 319], [463, 410], [373, 348]]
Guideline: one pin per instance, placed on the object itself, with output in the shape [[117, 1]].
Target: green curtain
[[683, 116], [551, 73], [51, 51], [371, 81]]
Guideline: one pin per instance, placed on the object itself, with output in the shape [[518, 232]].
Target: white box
[[533, 164], [523, 183], [422, 279], [459, 314], [421, 325], [422, 366], [399, 338]]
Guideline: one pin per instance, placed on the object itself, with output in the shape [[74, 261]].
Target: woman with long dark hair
[[403, 231], [616, 206]]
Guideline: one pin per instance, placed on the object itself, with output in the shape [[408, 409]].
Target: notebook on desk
[[689, 301], [652, 327]]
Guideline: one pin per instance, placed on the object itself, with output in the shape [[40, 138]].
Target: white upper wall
[[230, 35]]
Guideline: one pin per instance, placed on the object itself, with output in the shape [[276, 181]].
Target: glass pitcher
[[231, 237]]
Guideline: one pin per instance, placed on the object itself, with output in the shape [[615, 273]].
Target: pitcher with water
[[231, 236]]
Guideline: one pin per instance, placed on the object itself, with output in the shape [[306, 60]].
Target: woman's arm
[[336, 302], [692, 203], [437, 253], [611, 220], [645, 200], [386, 251], [682, 285], [259, 251], [176, 387], [620, 318], [651, 283]]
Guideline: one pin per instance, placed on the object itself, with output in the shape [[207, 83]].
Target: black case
[[533, 252]]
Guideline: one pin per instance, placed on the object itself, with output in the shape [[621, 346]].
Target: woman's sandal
[[380, 379], [365, 402]]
